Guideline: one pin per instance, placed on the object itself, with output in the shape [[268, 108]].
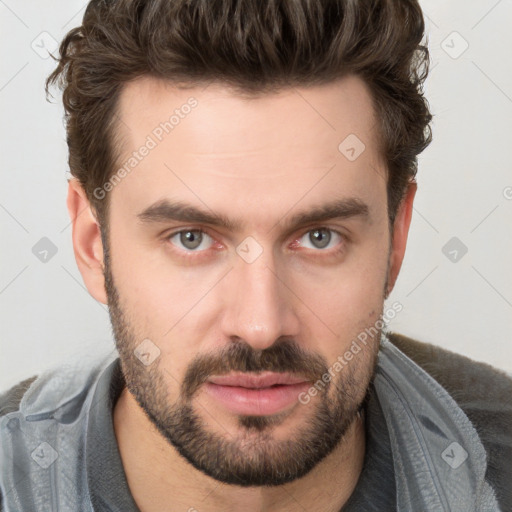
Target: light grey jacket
[[449, 421]]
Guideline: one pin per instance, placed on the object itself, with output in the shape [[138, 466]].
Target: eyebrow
[[165, 210]]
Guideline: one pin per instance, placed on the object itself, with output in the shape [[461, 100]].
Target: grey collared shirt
[[375, 490], [94, 462]]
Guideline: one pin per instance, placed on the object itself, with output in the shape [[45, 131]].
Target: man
[[242, 193]]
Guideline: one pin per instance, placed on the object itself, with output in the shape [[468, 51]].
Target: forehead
[[208, 143], [335, 109]]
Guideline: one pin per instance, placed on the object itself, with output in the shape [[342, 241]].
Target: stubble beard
[[254, 457]]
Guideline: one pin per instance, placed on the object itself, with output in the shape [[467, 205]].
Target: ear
[[400, 232], [87, 244]]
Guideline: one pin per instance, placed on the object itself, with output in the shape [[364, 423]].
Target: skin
[[259, 162]]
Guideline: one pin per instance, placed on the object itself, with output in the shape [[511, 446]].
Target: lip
[[256, 395], [260, 380]]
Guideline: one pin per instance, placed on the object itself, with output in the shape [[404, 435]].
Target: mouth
[[256, 381], [256, 394]]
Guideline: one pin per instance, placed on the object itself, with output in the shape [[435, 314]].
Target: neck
[[161, 479]]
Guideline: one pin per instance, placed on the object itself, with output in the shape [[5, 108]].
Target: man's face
[[263, 292]]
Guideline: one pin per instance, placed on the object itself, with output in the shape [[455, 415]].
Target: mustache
[[283, 356]]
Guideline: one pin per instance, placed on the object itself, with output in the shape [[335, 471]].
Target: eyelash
[[198, 254]]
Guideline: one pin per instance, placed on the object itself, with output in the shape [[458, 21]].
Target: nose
[[259, 305]]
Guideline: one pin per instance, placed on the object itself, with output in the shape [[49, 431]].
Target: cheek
[[342, 302], [351, 289], [163, 302], [152, 284]]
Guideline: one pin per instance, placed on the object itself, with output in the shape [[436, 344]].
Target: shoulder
[[483, 392], [11, 398], [62, 393], [62, 387], [10, 402], [465, 379]]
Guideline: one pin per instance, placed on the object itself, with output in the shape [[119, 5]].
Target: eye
[[321, 238], [191, 239]]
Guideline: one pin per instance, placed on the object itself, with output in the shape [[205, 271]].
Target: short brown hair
[[255, 47]]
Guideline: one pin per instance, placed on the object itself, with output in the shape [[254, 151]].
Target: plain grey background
[[456, 281]]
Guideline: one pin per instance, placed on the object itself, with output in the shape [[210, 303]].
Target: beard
[[252, 457]]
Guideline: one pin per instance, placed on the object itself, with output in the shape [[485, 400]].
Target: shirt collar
[[106, 478]]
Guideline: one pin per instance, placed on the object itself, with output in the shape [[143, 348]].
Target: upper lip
[[261, 380]]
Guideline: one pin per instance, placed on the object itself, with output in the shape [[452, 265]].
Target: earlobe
[[87, 243], [400, 233]]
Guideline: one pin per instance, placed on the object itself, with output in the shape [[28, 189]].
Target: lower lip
[[256, 402]]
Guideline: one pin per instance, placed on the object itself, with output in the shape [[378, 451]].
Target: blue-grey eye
[[320, 238], [191, 239]]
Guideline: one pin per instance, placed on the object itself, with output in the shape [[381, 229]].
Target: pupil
[[320, 237], [191, 239]]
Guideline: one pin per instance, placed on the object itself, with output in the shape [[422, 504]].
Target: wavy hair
[[255, 47]]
